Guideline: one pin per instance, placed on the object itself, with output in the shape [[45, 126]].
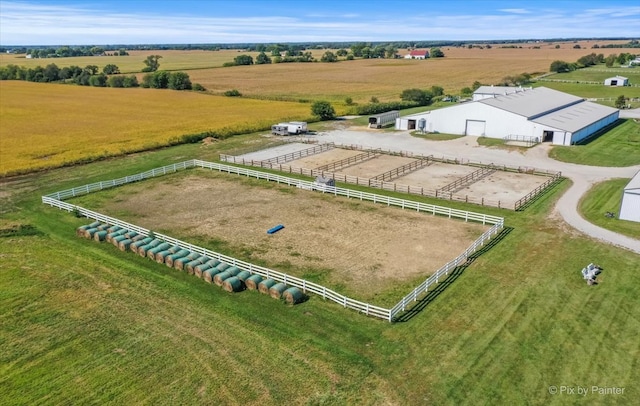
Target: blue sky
[[94, 22]]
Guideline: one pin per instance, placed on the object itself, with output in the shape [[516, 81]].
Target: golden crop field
[[48, 125], [385, 78]]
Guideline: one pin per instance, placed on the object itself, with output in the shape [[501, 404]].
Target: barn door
[[475, 127]]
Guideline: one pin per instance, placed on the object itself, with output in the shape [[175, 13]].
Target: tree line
[[623, 58]]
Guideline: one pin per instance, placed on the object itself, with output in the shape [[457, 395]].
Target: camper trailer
[[293, 127]]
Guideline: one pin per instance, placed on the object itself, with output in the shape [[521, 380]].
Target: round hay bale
[[160, 256], [103, 226], [277, 290], [213, 262], [113, 229], [131, 234], [134, 246], [223, 266], [100, 235], [233, 284], [199, 269], [243, 275], [151, 254], [192, 264], [180, 263], [208, 274], [293, 296], [253, 281], [116, 240], [219, 278], [265, 285], [142, 250], [90, 232], [114, 234], [125, 244], [168, 261], [233, 270], [80, 230]]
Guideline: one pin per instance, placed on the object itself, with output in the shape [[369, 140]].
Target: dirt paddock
[[359, 248]]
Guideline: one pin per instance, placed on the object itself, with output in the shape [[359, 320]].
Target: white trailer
[[293, 127], [382, 119]]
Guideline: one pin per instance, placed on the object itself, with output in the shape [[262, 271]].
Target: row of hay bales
[[229, 277]]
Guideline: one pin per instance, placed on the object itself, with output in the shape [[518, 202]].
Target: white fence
[[55, 200]]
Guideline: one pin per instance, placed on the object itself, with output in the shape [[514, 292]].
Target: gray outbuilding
[[616, 81]]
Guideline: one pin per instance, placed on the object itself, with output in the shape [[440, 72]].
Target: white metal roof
[[499, 90], [532, 103], [617, 77], [575, 117], [634, 183]]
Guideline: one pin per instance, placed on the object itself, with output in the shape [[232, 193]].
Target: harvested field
[[324, 158], [376, 166], [363, 247]]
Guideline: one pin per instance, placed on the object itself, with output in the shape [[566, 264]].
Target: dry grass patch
[[48, 125]]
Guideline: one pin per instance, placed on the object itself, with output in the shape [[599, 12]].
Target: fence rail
[[292, 156], [521, 203], [404, 169], [527, 139], [467, 180], [343, 163], [56, 200]]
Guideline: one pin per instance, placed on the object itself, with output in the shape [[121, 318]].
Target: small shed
[[380, 120], [417, 54], [616, 81], [630, 206]]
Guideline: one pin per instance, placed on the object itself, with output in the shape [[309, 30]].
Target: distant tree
[[557, 46], [356, 49], [130, 81], [350, 57], [323, 109], [110, 69], [577, 46], [374, 100], [621, 101], [348, 101], [342, 52], [437, 90], [420, 96], [198, 87], [152, 63], [262, 59], [115, 81], [329, 57], [475, 86], [92, 69], [610, 60], [51, 73], [559, 66], [466, 91], [436, 53], [232, 93], [98, 80], [243, 60], [179, 81]]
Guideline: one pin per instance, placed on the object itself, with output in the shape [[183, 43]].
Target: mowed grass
[[84, 322], [591, 90], [620, 146], [606, 197], [49, 125], [598, 73]]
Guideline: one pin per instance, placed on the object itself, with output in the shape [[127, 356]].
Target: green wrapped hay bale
[[213, 262], [103, 226], [116, 240], [243, 275], [293, 296], [168, 261], [219, 278], [125, 244], [151, 254], [113, 229], [253, 281], [233, 284], [200, 268], [265, 285], [233, 270], [134, 247], [90, 232], [180, 263], [222, 266], [100, 235], [160, 256], [114, 234], [80, 230], [192, 264], [131, 234], [277, 290], [142, 250], [209, 274]]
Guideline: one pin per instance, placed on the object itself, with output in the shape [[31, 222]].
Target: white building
[[542, 113], [616, 81], [417, 54], [630, 206], [485, 92]]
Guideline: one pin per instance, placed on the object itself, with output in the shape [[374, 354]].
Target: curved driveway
[[583, 176]]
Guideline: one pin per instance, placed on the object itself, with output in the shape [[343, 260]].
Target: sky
[[99, 22]]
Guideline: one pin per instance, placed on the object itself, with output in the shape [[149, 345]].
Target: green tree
[[130, 81], [419, 96], [329, 57], [92, 69], [390, 52], [437, 90], [51, 73], [262, 59], [610, 60], [179, 81], [115, 81], [436, 53], [374, 100], [348, 101], [152, 63], [110, 69], [341, 52], [621, 101], [323, 109], [559, 66], [243, 60], [98, 80]]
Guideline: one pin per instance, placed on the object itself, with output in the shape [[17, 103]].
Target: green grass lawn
[[591, 91], [435, 136], [620, 146], [597, 73], [606, 197], [85, 323]]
